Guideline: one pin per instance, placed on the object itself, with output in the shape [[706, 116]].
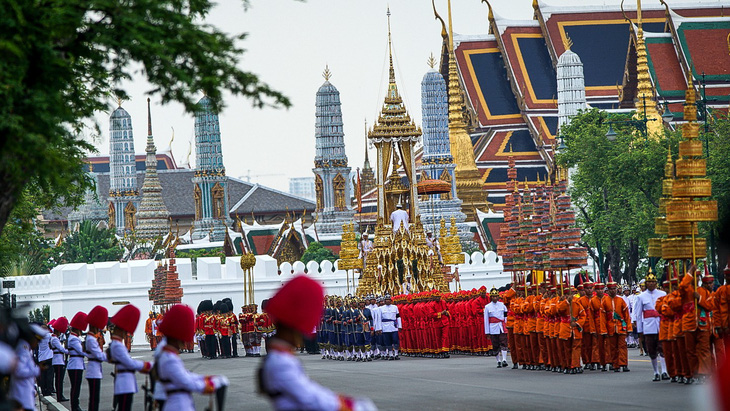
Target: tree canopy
[[61, 61], [91, 244], [317, 252]]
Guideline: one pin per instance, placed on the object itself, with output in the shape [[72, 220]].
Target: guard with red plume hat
[[76, 356], [178, 326], [295, 309], [59, 352], [125, 384], [98, 318]]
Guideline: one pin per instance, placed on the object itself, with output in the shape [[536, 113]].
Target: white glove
[[364, 404], [219, 381]]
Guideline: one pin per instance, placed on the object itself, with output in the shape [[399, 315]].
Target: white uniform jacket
[[96, 357], [124, 367], [22, 382], [75, 353], [498, 311]]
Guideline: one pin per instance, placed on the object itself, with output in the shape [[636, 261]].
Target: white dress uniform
[[45, 352], [22, 383], [96, 357], [8, 359], [398, 216], [124, 382], [495, 310], [179, 383], [58, 351], [159, 393], [389, 319], [646, 301], [75, 353], [290, 388]]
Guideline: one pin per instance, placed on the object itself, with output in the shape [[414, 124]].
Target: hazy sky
[[288, 45]]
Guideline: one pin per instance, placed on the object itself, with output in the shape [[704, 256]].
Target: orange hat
[[98, 317], [79, 321], [127, 318], [179, 323], [61, 325], [708, 278], [297, 304]]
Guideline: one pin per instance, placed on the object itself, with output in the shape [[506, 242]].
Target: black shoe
[[689, 381], [610, 367], [524, 367], [580, 370], [681, 380], [391, 358], [657, 377], [674, 379], [370, 358], [604, 368], [515, 366], [625, 368], [572, 371], [593, 367], [665, 376], [499, 365], [504, 364], [397, 358], [617, 369], [566, 371], [62, 399], [587, 367]]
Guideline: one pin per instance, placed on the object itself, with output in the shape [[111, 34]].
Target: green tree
[[317, 252], [61, 60], [615, 187], [40, 315], [23, 248], [718, 169], [91, 244]]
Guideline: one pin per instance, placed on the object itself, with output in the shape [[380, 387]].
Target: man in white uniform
[[647, 322], [495, 314], [390, 324], [375, 338], [399, 216], [365, 247]]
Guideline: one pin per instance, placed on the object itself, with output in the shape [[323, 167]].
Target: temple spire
[[367, 160], [645, 105], [391, 70], [468, 176], [149, 118]]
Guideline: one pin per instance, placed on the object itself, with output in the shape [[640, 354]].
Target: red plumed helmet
[[179, 323], [127, 318], [98, 317], [80, 321], [61, 325], [298, 304]]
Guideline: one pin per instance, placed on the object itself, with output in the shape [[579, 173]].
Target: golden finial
[[149, 118], [431, 61], [119, 100], [91, 167], [567, 42], [327, 74], [491, 13], [638, 15], [190, 151], [391, 70], [535, 5]]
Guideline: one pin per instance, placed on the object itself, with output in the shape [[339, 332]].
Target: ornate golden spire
[[468, 177], [327, 74], [391, 71], [645, 105]]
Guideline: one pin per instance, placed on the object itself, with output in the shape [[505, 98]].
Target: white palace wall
[[71, 288]]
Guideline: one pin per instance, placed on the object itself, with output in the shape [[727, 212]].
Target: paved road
[[458, 383]]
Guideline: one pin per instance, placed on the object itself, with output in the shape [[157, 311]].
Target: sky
[[289, 44]]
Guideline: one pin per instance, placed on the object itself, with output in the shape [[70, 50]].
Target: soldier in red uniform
[[440, 315]]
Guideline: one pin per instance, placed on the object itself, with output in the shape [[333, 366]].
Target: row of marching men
[[218, 329], [564, 329], [82, 355], [436, 324], [359, 329]]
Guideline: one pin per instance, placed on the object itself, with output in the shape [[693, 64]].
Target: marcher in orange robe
[[507, 298], [149, 332], [697, 305], [586, 292], [618, 324], [598, 355]]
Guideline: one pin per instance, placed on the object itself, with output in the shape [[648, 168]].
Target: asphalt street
[[457, 383]]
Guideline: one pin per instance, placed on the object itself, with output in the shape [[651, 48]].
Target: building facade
[[123, 192]]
